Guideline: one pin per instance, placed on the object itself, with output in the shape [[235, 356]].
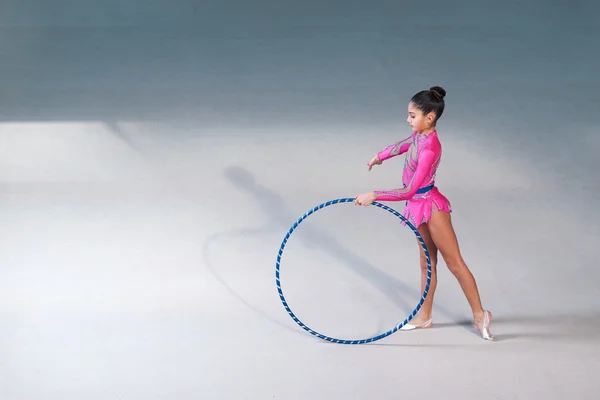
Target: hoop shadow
[[280, 219]]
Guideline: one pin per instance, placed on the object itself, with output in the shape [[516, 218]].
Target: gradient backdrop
[[154, 153]]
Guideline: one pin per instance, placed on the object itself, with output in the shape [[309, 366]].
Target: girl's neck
[[427, 131]]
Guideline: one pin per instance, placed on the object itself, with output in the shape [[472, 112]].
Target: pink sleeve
[[426, 160], [395, 149]]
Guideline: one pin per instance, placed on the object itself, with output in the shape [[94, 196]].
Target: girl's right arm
[[395, 149]]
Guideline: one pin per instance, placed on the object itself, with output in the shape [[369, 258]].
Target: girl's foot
[[417, 323], [483, 325]]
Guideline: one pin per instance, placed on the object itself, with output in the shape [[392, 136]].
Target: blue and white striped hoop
[[352, 341]]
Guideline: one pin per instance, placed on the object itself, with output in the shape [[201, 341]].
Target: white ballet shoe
[[485, 326], [410, 327]]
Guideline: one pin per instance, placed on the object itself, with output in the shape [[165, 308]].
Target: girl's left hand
[[364, 199]]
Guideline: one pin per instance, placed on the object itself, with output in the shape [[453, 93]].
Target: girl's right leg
[[426, 309], [423, 317]]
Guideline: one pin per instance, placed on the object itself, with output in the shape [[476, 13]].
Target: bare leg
[[444, 237], [426, 309]]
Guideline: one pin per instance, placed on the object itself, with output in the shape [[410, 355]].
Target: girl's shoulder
[[430, 141]]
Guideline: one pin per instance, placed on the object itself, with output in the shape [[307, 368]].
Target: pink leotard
[[423, 157]]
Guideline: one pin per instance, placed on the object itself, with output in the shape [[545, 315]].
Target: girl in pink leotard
[[426, 207], [422, 197]]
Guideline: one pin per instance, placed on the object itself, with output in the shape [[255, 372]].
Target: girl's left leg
[[444, 237]]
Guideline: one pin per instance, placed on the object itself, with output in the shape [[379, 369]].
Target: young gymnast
[[426, 207]]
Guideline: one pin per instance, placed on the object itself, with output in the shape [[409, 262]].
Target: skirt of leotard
[[418, 210]]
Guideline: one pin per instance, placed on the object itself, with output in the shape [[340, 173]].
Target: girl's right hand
[[374, 161]]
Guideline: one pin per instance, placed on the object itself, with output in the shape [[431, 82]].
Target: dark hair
[[430, 100]]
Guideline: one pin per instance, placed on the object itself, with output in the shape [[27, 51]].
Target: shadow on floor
[[280, 218]]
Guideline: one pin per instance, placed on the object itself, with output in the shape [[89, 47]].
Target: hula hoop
[[352, 341]]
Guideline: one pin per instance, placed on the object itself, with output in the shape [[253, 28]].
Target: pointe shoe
[[410, 327], [485, 326]]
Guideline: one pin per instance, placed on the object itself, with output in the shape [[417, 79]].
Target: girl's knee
[[423, 262], [456, 265]]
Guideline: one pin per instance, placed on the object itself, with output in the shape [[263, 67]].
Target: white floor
[[153, 159]]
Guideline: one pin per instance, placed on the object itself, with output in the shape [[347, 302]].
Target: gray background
[[154, 154]]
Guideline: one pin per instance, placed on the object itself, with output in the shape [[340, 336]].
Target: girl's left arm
[[426, 160]]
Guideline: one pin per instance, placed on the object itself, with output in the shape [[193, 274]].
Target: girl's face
[[419, 122]]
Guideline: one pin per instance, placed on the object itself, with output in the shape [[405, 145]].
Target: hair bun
[[438, 91]]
